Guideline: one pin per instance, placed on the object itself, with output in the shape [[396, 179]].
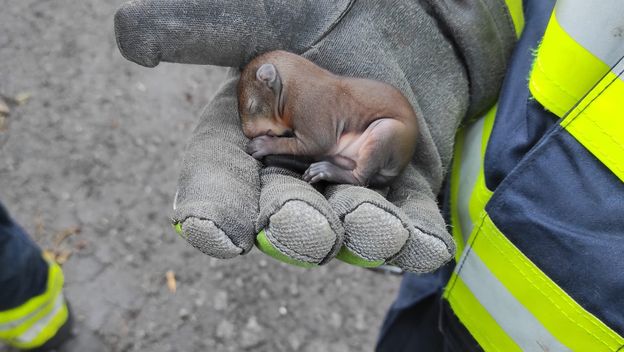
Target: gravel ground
[[91, 161]]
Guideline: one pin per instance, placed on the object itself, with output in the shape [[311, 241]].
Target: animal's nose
[[288, 133]]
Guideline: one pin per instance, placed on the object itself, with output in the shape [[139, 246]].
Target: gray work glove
[[227, 201]]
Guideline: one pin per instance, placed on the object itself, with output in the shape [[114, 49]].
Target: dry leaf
[[22, 98], [4, 108], [63, 235], [171, 281], [58, 256], [48, 254], [63, 255], [4, 115], [80, 245], [39, 225]]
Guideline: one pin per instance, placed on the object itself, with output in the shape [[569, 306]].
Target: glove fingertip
[[424, 253], [208, 238], [348, 256], [264, 244], [133, 40]]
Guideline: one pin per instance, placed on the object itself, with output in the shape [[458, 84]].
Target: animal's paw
[[260, 146], [326, 171]]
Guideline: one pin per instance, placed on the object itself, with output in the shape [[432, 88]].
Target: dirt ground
[[90, 168]]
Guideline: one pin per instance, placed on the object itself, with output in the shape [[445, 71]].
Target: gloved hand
[[226, 200]]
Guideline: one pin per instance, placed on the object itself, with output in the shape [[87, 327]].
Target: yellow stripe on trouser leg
[[553, 309], [37, 320]]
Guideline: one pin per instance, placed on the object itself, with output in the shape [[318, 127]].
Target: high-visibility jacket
[[537, 191]]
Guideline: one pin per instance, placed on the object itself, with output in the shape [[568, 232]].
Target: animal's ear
[[267, 73]]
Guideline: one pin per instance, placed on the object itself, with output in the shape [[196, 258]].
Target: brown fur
[[360, 131]]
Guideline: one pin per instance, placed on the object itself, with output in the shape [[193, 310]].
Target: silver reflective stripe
[[519, 324], [598, 26], [34, 331], [468, 173]]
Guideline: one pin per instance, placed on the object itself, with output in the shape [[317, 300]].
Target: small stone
[[220, 300], [140, 334], [294, 289], [335, 320], [264, 294], [200, 298], [141, 87], [225, 330], [252, 324], [282, 310], [184, 314], [294, 342], [252, 335], [360, 321]]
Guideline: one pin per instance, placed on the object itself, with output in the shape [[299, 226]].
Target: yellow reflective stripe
[[32, 320], [46, 331], [517, 15], [54, 286], [563, 71], [479, 194], [15, 321], [476, 319], [39, 319], [563, 317], [596, 25], [487, 129], [597, 122], [517, 322]]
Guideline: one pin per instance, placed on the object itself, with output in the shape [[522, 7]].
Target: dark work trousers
[[23, 271]]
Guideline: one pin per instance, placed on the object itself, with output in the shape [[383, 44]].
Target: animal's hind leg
[[382, 156], [327, 171]]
